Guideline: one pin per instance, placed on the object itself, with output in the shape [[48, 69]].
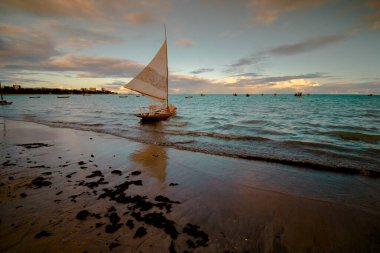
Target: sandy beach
[[65, 190]]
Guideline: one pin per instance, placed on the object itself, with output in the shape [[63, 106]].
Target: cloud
[[184, 42], [268, 11], [374, 18], [274, 83], [6, 29], [307, 45], [202, 70], [34, 48], [94, 66], [140, 12], [272, 79], [240, 64], [51, 8], [294, 83], [139, 18], [286, 50], [78, 37]]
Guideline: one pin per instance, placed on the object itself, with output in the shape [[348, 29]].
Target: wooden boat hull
[[148, 117], [4, 102]]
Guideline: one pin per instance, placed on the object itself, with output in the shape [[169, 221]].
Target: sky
[[214, 46]]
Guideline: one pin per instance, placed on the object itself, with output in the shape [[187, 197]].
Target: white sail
[[152, 81]]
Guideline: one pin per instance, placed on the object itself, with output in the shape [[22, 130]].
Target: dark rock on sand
[[59, 193], [115, 225], [46, 173], [41, 234], [191, 244], [164, 199], [82, 215], [69, 175], [99, 224], [165, 202], [93, 185], [117, 172], [158, 220], [40, 182], [73, 197], [113, 245], [33, 145], [81, 163], [8, 163], [130, 224], [112, 228], [118, 194], [173, 184], [96, 173], [11, 178], [96, 215], [172, 248], [135, 173], [38, 166], [194, 231], [23, 195], [140, 232]]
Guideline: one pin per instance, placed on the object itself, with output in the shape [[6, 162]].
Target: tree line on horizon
[[19, 90]]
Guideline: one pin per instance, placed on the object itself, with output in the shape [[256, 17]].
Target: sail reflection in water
[[153, 158]]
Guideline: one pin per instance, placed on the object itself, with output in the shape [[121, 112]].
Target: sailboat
[[153, 82], [2, 101]]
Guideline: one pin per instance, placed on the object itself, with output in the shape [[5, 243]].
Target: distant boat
[[153, 82], [86, 94], [247, 95], [262, 94], [63, 96], [275, 94], [235, 94], [189, 97], [298, 94], [2, 101], [35, 97], [308, 94], [370, 94], [137, 96], [123, 96], [202, 95]]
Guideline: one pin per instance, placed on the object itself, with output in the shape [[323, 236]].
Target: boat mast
[[167, 71], [1, 92]]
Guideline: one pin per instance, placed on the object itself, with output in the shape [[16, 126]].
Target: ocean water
[[338, 132]]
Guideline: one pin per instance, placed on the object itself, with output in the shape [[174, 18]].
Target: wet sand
[[64, 190]]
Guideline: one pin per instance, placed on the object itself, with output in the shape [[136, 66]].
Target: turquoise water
[[322, 131]]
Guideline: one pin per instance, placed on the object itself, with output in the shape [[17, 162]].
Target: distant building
[[16, 86], [104, 89], [92, 89]]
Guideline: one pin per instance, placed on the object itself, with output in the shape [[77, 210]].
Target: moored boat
[[153, 83]]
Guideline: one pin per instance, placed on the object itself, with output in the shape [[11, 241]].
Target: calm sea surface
[[328, 131]]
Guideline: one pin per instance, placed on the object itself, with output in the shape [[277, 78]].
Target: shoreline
[[239, 204], [370, 173]]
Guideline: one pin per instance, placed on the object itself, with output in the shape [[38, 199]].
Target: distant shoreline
[[6, 90]]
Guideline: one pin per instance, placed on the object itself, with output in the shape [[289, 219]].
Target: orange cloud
[[71, 8], [295, 83], [138, 18], [268, 11], [6, 29]]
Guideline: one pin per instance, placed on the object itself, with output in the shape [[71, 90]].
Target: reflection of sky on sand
[[152, 158]]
